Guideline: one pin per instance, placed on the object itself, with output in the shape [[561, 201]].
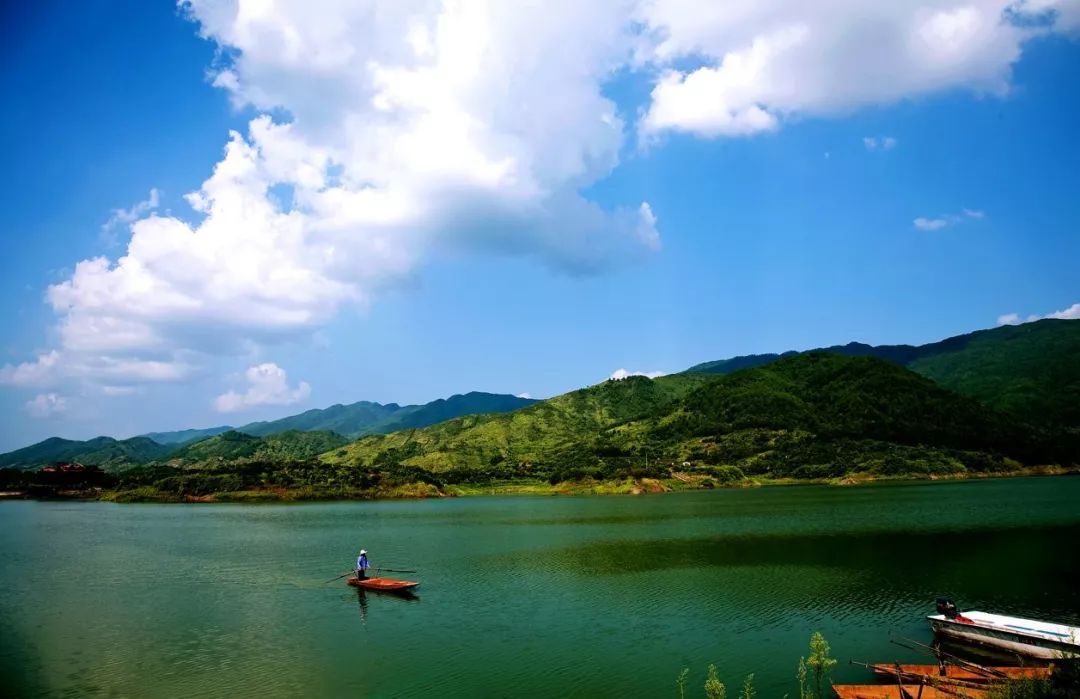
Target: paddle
[[349, 572]]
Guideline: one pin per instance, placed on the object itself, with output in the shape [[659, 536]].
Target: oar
[[967, 665], [348, 572]]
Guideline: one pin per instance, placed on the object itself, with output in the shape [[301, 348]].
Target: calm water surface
[[521, 596]]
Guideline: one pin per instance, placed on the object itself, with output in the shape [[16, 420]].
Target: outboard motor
[[946, 607]]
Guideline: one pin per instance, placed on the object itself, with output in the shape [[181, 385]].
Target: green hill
[[185, 436], [99, 451], [1028, 370], [366, 417], [349, 420], [525, 436], [819, 415], [233, 446], [808, 415]]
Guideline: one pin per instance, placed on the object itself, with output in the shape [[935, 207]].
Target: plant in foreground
[[819, 664], [680, 682], [714, 688]]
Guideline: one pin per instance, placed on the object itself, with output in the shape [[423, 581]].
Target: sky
[[223, 211]]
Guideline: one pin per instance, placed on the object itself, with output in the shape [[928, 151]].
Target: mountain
[[365, 417], [349, 420], [1028, 370], [233, 446], [811, 414], [100, 451], [524, 436], [183, 436]]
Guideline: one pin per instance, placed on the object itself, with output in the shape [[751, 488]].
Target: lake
[[521, 596]]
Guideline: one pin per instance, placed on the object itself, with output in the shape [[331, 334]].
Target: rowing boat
[[383, 584], [1026, 637], [910, 691], [914, 673]]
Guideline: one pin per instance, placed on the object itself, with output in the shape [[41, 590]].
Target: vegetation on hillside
[[803, 416], [99, 451], [813, 415], [199, 444], [1028, 370], [235, 448], [366, 417]]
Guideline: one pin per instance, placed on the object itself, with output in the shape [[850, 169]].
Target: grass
[[585, 487]]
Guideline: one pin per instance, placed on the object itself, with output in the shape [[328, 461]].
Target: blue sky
[[492, 235]]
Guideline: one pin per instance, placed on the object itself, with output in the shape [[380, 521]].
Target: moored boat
[[977, 675], [383, 584], [1025, 637], [894, 691]]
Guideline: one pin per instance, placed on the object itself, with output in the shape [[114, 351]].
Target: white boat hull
[[1010, 635]]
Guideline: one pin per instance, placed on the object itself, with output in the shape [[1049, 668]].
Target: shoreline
[[679, 482]]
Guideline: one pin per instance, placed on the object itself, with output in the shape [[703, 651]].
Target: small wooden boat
[[915, 673], [907, 691], [1026, 637], [383, 584]]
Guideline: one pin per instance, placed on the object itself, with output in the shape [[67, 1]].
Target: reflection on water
[[523, 596], [362, 599]]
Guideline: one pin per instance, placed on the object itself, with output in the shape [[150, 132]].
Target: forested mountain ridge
[[1030, 370], [232, 446], [352, 421], [99, 451], [810, 415]]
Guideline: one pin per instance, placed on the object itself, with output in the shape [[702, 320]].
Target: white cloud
[[879, 143], [33, 373], [46, 405], [620, 374], [267, 384], [1070, 313], [930, 224], [761, 62], [113, 391], [404, 129], [933, 224], [1009, 319], [121, 217], [54, 367], [524, 394]]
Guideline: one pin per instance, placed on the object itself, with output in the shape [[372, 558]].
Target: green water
[[525, 597]]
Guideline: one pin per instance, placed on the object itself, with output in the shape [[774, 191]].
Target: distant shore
[[418, 491]]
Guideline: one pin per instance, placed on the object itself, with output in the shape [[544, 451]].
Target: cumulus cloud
[[388, 132], [933, 224], [400, 130], [122, 217], [46, 405], [756, 63], [267, 384], [1070, 313], [620, 374], [524, 394], [879, 143]]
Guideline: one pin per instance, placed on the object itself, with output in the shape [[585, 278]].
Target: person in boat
[[361, 565]]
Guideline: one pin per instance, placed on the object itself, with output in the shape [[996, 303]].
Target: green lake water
[[521, 596]]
